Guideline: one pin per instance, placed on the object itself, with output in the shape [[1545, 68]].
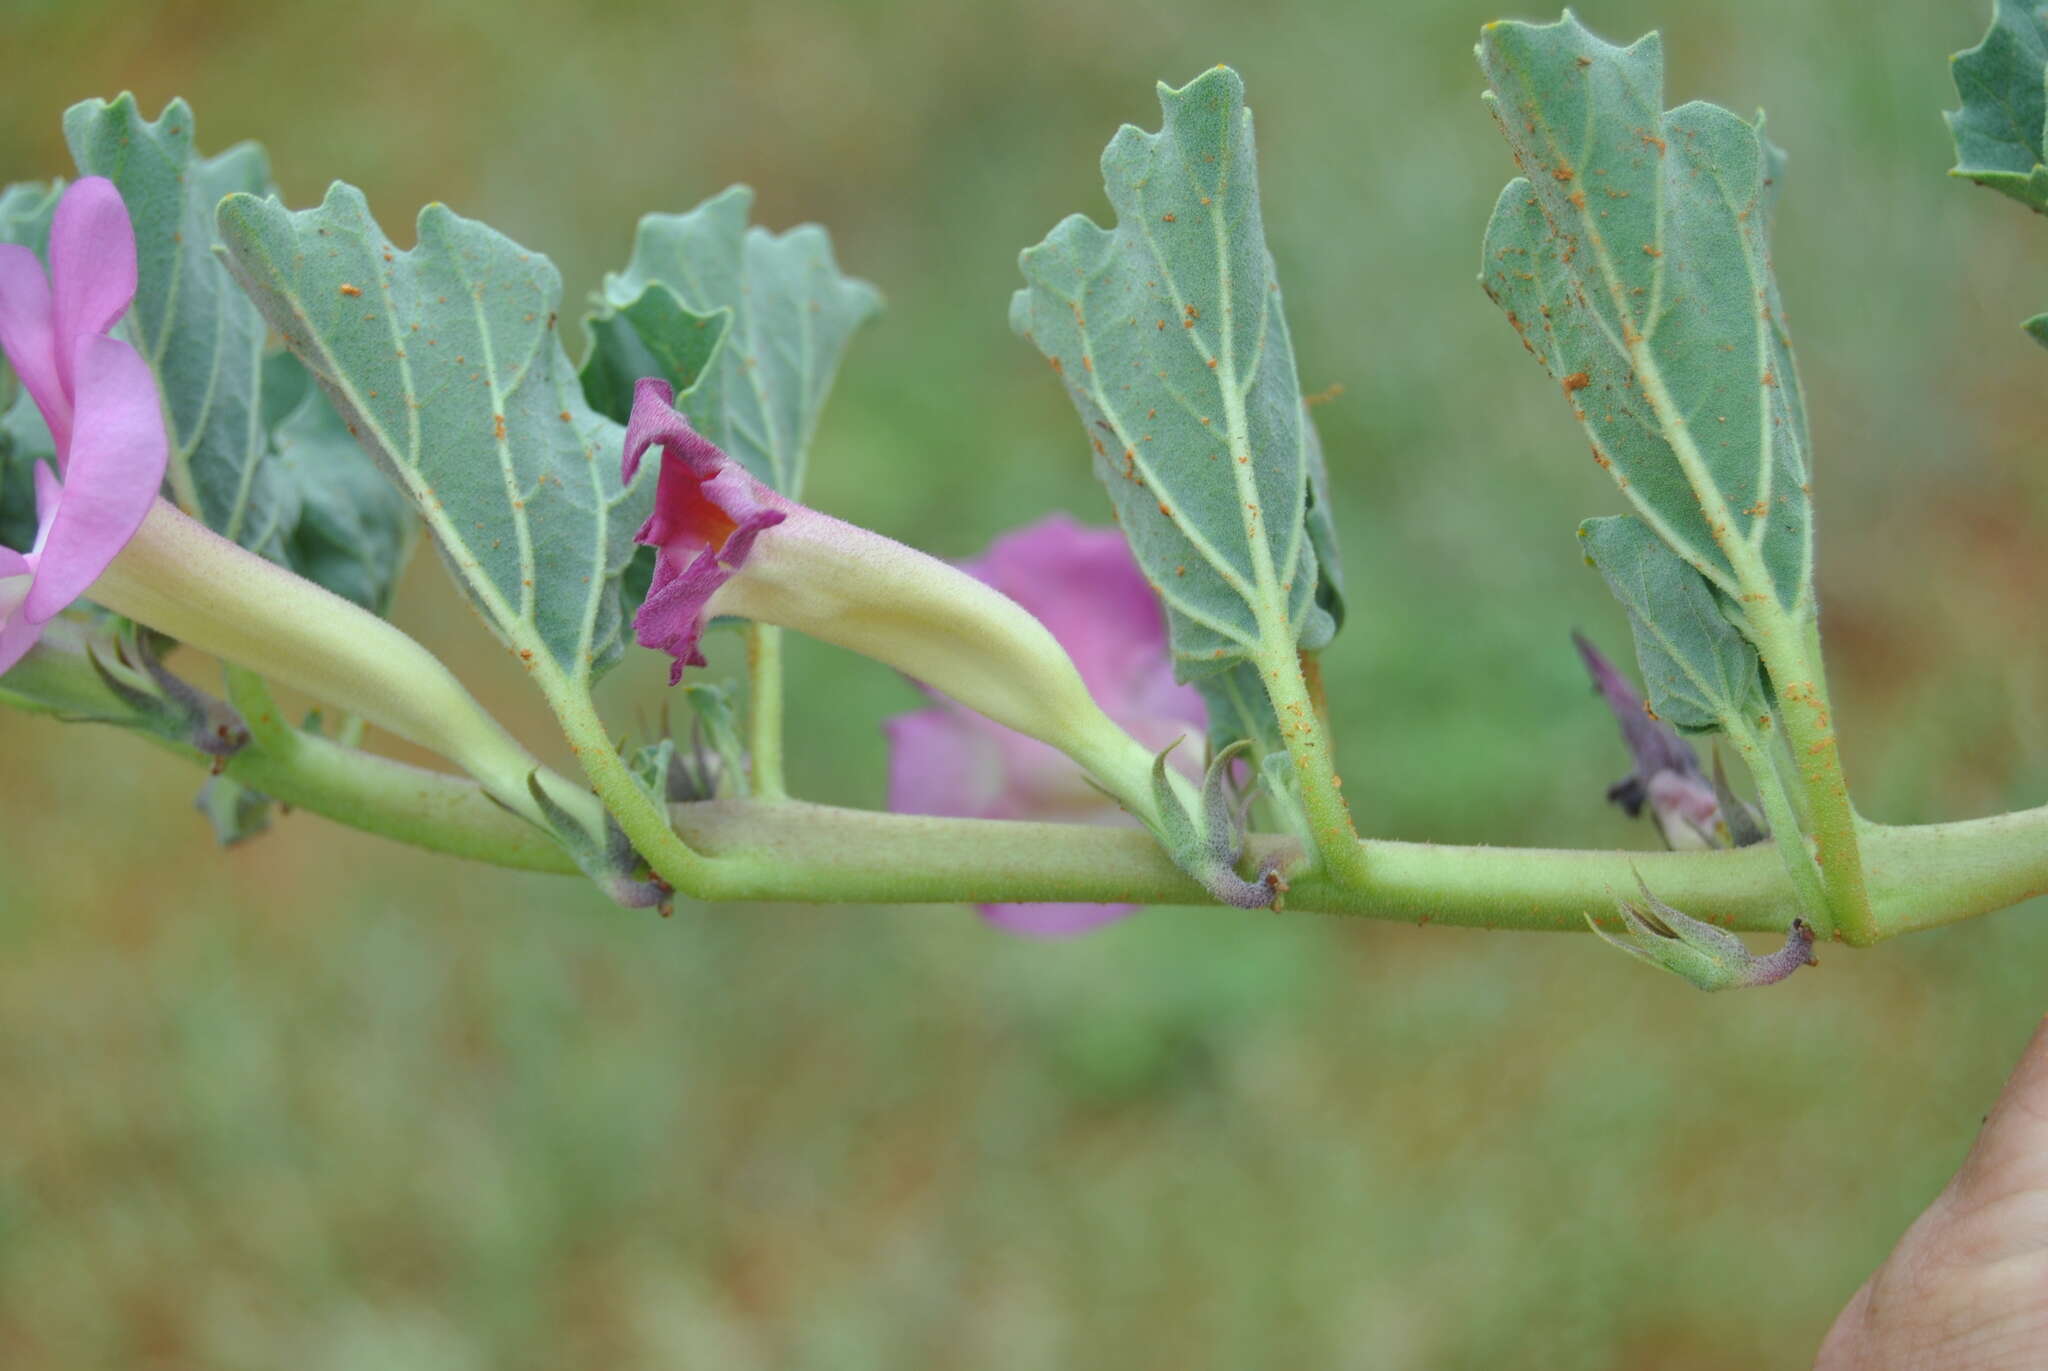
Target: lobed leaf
[[2001, 132], [2003, 81], [756, 385], [1169, 334], [200, 335], [444, 362], [1699, 672], [1632, 258]]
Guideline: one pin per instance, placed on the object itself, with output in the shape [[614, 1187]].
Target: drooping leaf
[[2003, 82], [792, 313], [1169, 334], [355, 528], [444, 362], [1632, 258], [199, 333], [1700, 673]]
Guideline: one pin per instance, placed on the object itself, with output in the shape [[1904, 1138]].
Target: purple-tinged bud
[[1667, 778], [1707, 957], [165, 704]]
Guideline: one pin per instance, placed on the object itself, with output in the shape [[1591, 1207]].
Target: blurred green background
[[321, 1101]]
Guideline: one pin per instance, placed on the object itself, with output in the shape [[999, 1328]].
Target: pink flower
[[707, 512], [96, 394], [1083, 585]]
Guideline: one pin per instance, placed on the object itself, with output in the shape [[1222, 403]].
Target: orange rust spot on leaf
[[1652, 250], [498, 426], [1578, 380], [1167, 217], [350, 291]]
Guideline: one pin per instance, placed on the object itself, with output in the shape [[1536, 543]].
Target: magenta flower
[[1083, 585], [707, 512], [96, 394]]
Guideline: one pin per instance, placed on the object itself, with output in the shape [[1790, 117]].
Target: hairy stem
[[764, 704], [1302, 729], [1919, 877], [1786, 831], [1794, 664]]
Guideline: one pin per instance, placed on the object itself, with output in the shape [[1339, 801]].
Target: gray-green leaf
[[444, 362], [355, 528], [1632, 259], [199, 333], [1169, 335], [1699, 672], [792, 313], [2003, 82]]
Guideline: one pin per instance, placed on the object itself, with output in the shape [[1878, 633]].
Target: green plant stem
[[642, 820], [1340, 854], [427, 809], [1793, 661], [1918, 877], [764, 704], [1786, 832]]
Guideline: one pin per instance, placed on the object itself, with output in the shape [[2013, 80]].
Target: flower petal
[[655, 419], [118, 453], [944, 761], [26, 336], [1053, 920], [1083, 584], [707, 513], [92, 266]]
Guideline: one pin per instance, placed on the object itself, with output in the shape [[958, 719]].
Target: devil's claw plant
[[225, 423]]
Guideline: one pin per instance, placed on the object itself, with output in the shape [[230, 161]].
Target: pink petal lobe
[[17, 636], [655, 420], [707, 513], [1083, 585], [92, 264], [1053, 920], [118, 454], [27, 337], [940, 762]]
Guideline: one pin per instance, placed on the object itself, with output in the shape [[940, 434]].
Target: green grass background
[[323, 1102]]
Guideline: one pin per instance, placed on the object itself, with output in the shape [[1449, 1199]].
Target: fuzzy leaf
[[444, 362], [1632, 259], [1239, 710], [2003, 82], [1169, 334], [355, 528], [792, 313], [25, 211], [200, 334], [655, 334], [1699, 672]]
